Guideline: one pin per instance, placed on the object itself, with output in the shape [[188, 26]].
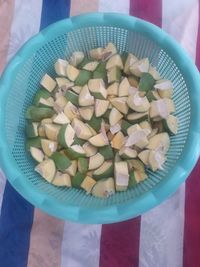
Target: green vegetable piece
[[34, 142], [78, 179], [104, 171], [106, 152], [146, 82], [99, 75], [100, 72], [106, 114], [72, 97], [114, 74], [95, 123], [101, 67], [83, 78], [66, 135], [132, 182], [124, 126], [75, 152], [32, 129], [37, 114], [42, 93], [78, 141], [61, 161], [124, 56], [83, 165]]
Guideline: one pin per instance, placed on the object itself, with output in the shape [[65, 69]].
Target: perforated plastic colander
[[21, 80]]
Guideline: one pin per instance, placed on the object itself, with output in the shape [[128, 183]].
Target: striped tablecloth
[[168, 235]]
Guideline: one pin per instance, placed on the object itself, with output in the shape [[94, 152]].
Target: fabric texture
[[166, 236]]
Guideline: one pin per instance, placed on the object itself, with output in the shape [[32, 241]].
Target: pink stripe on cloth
[[147, 10], [46, 241], [6, 16], [191, 251], [120, 244], [191, 255], [79, 7]]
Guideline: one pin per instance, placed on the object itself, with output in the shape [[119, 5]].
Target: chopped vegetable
[[37, 154], [82, 165], [48, 83], [97, 88], [104, 171], [123, 87], [90, 150], [104, 188], [95, 161], [61, 161], [88, 184], [48, 146], [120, 103], [51, 131], [101, 122], [101, 107], [46, 169], [77, 179], [146, 82], [113, 89], [121, 175], [32, 129], [66, 136], [62, 179], [98, 140], [86, 112], [60, 67], [36, 114], [72, 72]]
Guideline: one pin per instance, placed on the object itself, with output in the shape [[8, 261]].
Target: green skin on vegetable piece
[[61, 161], [106, 152], [78, 179], [146, 82], [42, 93], [37, 113], [132, 181], [34, 142], [83, 77], [72, 97], [95, 123]]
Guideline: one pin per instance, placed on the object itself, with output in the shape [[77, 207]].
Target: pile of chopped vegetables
[[101, 122]]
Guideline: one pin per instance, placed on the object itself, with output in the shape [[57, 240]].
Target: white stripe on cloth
[[180, 19], [2, 187], [114, 6], [80, 245], [162, 229], [26, 22]]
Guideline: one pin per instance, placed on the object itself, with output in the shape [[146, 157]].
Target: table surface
[[166, 236]]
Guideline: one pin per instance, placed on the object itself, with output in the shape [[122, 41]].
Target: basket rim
[[164, 188]]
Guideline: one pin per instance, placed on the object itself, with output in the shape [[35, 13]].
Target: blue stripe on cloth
[[17, 214], [15, 225], [54, 10]]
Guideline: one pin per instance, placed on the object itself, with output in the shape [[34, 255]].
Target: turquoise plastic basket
[[21, 80]]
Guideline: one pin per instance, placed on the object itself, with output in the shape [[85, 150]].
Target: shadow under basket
[[21, 80]]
